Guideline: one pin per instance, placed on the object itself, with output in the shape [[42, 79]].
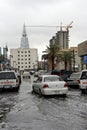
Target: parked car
[[79, 79], [9, 80], [83, 81], [74, 80], [26, 74], [63, 73], [56, 72], [50, 85]]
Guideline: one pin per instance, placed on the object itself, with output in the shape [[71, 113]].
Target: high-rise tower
[[24, 39], [62, 39]]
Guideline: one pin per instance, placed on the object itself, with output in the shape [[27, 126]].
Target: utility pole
[[73, 60]]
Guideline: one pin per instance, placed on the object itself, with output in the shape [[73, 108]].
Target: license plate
[[7, 86], [57, 92]]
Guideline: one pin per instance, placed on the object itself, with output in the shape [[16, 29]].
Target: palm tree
[[52, 52], [66, 56]]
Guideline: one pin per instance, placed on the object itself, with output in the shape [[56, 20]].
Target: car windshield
[[7, 75], [52, 79], [84, 75]]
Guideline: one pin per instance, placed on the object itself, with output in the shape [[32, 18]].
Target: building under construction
[[62, 37]]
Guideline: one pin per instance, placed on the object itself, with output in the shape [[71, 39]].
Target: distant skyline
[[14, 13]]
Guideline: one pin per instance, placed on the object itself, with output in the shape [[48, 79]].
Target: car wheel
[[83, 91], [16, 89], [64, 95], [40, 93], [33, 91]]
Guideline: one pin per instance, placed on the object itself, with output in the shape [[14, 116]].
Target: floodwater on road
[[26, 111]]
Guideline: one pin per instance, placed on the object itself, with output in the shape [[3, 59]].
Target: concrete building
[[24, 58], [0, 50], [82, 52], [5, 50], [62, 39], [76, 60]]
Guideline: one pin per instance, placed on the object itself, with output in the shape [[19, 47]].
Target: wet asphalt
[[26, 111]]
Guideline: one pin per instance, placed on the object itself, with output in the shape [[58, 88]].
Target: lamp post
[[73, 60], [14, 64]]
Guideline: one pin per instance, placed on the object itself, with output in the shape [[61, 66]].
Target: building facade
[[62, 39], [82, 52], [24, 58]]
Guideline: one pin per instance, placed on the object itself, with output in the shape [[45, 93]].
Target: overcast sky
[[14, 13]]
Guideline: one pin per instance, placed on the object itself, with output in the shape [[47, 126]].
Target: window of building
[[25, 51], [25, 55], [28, 51], [18, 51], [21, 51]]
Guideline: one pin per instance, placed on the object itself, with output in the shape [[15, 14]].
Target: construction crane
[[49, 26], [69, 26]]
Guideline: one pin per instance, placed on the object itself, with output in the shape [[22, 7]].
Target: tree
[[66, 56], [52, 52]]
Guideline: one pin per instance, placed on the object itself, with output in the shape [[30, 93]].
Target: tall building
[[0, 50], [24, 58], [62, 39], [24, 39], [5, 50]]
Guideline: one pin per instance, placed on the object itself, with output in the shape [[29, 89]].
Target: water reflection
[[7, 101]]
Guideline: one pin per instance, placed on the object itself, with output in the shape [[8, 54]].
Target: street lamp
[[73, 61]]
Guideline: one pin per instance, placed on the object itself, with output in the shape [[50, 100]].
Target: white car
[[9, 80], [83, 81], [50, 85], [26, 74]]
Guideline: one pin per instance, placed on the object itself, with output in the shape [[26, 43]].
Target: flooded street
[[27, 111]]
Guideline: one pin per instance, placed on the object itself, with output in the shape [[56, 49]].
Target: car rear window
[[52, 79], [7, 75], [75, 75]]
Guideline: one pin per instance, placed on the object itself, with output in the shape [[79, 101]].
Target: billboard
[[85, 59]]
